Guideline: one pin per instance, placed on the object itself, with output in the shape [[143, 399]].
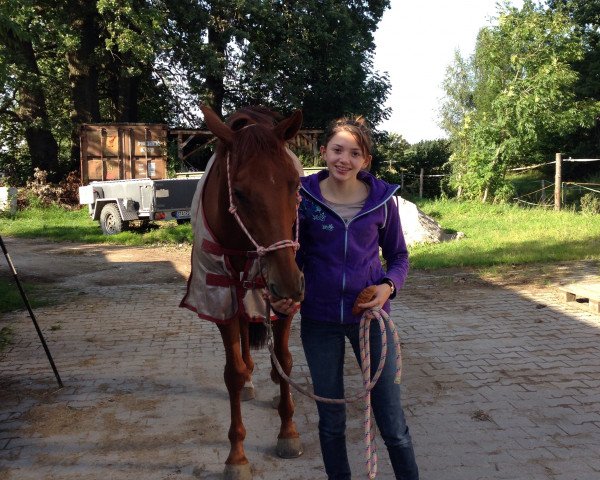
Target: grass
[[494, 234], [6, 334], [10, 297], [58, 224], [507, 235]]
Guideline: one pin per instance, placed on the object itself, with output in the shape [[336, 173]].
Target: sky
[[415, 43]]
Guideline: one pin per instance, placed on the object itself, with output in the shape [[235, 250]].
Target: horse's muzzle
[[293, 290]]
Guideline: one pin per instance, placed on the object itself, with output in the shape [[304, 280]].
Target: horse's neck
[[219, 219]]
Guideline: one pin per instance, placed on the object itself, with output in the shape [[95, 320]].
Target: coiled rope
[[368, 383]]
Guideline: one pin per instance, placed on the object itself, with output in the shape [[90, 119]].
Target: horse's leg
[[236, 373], [248, 389], [288, 440]]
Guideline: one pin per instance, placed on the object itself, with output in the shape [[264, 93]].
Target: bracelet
[[387, 281]]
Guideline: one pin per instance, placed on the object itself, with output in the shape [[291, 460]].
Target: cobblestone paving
[[499, 383]]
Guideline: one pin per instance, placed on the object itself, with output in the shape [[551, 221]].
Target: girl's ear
[[367, 163], [322, 149]]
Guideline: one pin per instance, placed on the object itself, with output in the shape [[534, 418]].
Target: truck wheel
[[110, 219]]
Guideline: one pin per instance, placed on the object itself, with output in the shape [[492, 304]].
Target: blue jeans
[[324, 345]]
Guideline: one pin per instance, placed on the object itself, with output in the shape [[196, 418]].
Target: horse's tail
[[257, 335]]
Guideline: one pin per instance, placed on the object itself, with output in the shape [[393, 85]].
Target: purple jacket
[[340, 259]]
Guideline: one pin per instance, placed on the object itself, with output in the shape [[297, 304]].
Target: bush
[[505, 193], [38, 192], [590, 203]]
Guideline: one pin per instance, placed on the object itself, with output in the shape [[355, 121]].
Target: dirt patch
[[81, 267], [58, 419]]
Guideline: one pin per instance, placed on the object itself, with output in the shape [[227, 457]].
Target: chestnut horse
[[249, 206]]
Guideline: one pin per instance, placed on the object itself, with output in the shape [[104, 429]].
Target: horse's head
[[263, 184]]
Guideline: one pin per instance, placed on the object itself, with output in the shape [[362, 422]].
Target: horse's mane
[[253, 127]]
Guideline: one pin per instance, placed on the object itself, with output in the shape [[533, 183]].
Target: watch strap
[[387, 281]]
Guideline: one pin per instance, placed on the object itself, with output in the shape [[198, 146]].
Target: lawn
[[494, 234], [507, 235], [58, 224]]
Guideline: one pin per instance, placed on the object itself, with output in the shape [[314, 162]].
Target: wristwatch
[[387, 281]]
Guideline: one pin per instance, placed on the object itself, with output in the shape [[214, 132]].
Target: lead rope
[[365, 354]]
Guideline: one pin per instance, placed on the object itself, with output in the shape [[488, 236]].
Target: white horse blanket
[[214, 290]]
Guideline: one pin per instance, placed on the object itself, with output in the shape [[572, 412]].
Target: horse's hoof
[[237, 472], [247, 393], [289, 447]]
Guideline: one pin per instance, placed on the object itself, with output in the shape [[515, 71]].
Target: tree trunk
[[128, 98], [215, 77], [83, 72], [32, 111]]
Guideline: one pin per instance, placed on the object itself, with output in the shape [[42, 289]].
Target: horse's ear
[[289, 127], [216, 125]]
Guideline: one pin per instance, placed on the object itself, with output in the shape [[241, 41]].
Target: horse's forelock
[[254, 114], [253, 127], [256, 141]]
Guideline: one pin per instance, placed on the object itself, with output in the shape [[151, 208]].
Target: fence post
[[421, 183], [558, 182], [543, 200]]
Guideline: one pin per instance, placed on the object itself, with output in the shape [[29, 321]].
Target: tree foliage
[[585, 142], [67, 62], [515, 97], [397, 161]]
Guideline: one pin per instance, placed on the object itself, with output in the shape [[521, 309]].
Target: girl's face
[[344, 157]]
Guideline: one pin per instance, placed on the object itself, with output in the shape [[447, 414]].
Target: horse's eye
[[239, 195]]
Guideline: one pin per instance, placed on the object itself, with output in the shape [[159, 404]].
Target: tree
[[84, 40], [585, 142], [67, 62], [313, 55], [389, 152], [522, 97], [23, 98], [459, 86]]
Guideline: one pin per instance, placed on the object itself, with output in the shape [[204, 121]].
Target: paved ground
[[501, 380]]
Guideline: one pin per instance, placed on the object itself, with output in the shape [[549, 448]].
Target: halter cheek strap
[[260, 250]]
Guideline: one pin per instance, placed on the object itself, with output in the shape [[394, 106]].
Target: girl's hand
[[286, 306], [382, 293]]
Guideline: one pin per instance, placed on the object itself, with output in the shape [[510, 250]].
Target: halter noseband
[[260, 250]]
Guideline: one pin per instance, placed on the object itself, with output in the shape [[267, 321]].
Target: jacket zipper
[[346, 225]]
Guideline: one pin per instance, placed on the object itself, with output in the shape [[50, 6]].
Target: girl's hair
[[357, 127]]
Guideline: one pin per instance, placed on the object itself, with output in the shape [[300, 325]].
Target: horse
[[244, 216]]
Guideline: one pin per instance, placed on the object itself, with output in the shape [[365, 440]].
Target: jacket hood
[[379, 190]]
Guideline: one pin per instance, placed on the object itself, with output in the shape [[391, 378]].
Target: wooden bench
[[584, 294]]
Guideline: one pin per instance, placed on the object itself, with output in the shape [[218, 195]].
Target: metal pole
[[31, 314], [421, 183]]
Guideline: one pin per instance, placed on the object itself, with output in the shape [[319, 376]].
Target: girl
[[346, 215]]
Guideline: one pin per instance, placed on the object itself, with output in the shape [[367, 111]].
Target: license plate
[[182, 214]]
